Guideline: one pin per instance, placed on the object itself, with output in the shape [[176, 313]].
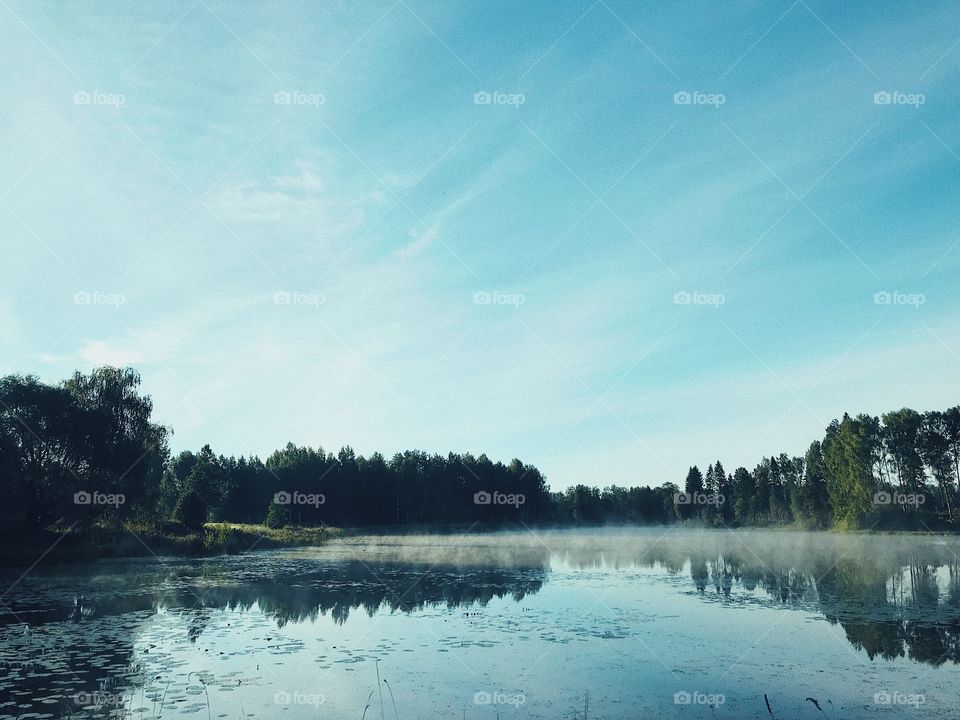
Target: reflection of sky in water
[[623, 622]]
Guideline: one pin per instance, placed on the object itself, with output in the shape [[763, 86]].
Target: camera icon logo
[[482, 698], [282, 98], [682, 498], [281, 697], [882, 98], [482, 498], [282, 498], [681, 698], [682, 298], [82, 498], [682, 98], [881, 498], [482, 98]]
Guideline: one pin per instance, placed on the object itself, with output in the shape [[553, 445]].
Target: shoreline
[[132, 541], [225, 538]]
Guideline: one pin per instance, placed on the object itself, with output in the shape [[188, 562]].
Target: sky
[[613, 239]]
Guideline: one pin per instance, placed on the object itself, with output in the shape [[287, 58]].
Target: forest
[[87, 453]]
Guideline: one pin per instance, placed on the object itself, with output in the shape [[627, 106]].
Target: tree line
[[86, 451], [899, 470]]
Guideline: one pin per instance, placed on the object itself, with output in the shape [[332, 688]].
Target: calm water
[[622, 624]]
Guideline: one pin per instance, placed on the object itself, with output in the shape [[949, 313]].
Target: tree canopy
[[86, 451]]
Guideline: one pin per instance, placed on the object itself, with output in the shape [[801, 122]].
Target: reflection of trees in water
[[896, 612], [896, 598], [885, 611], [892, 599], [285, 594], [898, 603], [353, 585], [91, 651]]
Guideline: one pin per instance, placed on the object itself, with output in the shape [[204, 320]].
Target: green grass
[[138, 539], [231, 537]]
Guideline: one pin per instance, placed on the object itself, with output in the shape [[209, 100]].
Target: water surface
[[614, 624]]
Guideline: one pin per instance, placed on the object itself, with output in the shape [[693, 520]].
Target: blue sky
[[284, 215]]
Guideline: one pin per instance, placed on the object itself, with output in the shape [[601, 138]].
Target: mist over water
[[656, 622]]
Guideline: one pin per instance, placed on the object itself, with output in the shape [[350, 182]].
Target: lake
[[646, 623]]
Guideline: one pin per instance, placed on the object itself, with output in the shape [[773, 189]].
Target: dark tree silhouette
[[85, 453]]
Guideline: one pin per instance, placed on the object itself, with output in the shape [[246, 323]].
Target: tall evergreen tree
[[745, 490], [850, 482], [811, 502]]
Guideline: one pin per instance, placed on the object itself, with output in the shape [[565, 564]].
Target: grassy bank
[[145, 540]]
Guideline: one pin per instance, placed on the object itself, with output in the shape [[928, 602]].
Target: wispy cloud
[[421, 240], [422, 217]]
